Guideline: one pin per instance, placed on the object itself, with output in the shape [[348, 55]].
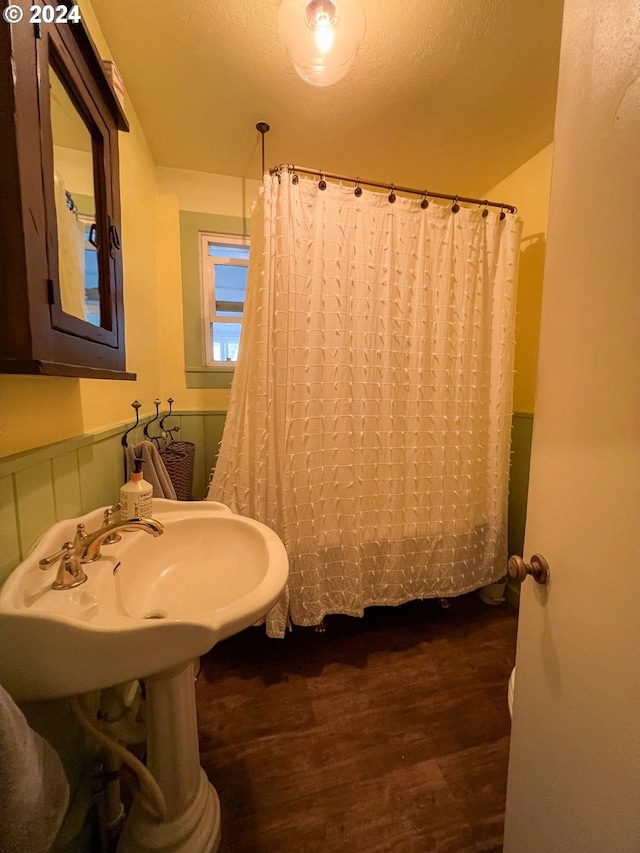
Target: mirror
[[60, 249], [75, 206]]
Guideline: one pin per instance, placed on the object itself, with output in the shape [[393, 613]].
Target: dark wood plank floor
[[387, 734]]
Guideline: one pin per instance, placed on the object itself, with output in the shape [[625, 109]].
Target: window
[[91, 286], [224, 265]]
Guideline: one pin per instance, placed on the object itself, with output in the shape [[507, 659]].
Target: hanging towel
[[34, 792], [153, 469]]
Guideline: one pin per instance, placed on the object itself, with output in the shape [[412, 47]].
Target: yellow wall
[[207, 193], [171, 319], [38, 410], [106, 403], [203, 193], [152, 198], [528, 188]]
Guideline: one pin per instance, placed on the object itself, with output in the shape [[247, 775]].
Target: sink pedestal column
[[173, 757]]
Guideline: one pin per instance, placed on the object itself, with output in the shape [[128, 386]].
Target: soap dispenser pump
[[136, 496]]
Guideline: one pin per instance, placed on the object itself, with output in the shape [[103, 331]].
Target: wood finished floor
[[387, 734]]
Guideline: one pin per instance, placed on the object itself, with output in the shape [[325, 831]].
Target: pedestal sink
[[148, 608]]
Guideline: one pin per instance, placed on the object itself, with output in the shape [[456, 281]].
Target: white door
[[574, 770]]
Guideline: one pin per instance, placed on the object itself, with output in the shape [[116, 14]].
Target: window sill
[[209, 377]]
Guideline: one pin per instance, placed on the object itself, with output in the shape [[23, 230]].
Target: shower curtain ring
[[502, 213], [485, 211], [358, 190], [455, 207], [424, 204], [392, 195], [294, 177], [322, 184]]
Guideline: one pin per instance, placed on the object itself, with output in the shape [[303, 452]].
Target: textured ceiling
[[451, 95]]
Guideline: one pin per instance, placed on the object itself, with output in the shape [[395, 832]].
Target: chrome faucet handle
[[70, 572], [46, 562], [107, 520]]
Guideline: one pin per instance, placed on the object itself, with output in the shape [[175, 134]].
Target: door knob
[[538, 568]]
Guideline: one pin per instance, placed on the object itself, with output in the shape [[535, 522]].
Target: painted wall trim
[[70, 477], [521, 434], [208, 377], [512, 593], [27, 458], [192, 224]]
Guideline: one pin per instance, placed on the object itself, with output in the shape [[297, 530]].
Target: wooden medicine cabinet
[[60, 250]]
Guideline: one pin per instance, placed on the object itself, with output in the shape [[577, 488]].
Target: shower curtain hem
[[278, 631]]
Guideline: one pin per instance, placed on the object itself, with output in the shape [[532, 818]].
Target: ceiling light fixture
[[321, 37]]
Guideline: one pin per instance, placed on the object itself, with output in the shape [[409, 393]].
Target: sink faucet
[[88, 545], [85, 548]]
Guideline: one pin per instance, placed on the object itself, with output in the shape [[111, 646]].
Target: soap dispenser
[[136, 496]]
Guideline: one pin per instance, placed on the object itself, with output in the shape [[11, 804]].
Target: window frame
[[88, 219], [208, 294]]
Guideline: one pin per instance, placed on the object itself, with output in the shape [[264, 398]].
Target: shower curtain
[[370, 411]]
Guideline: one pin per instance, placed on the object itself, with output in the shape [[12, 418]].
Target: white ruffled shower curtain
[[370, 411]]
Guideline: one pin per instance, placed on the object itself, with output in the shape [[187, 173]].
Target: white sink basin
[[148, 604]]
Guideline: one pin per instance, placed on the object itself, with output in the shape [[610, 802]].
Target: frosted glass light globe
[[321, 37]]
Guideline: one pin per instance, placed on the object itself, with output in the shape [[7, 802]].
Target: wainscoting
[[521, 433], [70, 478]]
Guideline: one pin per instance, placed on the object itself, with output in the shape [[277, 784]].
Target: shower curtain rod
[[392, 187]]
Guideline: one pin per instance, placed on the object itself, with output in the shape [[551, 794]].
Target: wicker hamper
[[178, 459]]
